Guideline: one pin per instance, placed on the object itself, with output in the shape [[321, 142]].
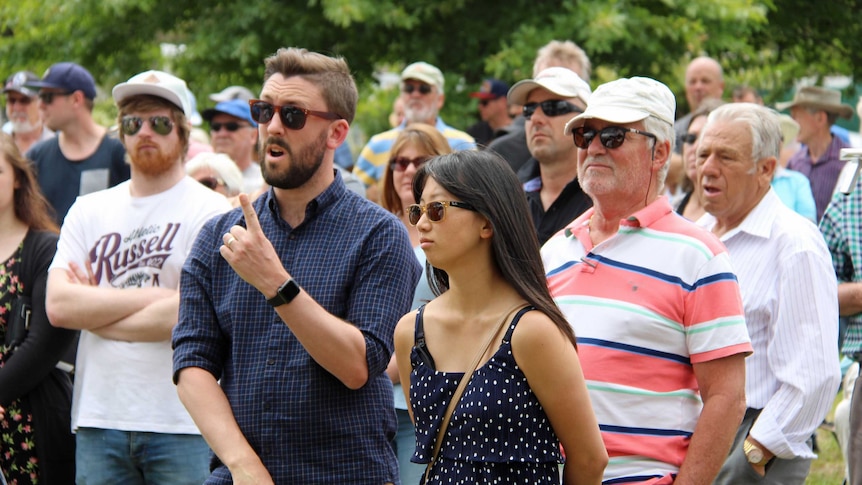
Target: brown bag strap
[[444, 424]]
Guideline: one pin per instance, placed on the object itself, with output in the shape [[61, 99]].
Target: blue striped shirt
[[354, 259]]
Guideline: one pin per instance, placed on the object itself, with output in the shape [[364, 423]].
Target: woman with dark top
[[416, 143], [36, 443], [527, 395]]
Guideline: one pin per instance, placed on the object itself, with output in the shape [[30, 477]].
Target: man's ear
[[337, 133]]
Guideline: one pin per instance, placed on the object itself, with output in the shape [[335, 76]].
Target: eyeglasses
[[551, 107], [131, 125], [400, 164], [48, 97], [423, 88], [292, 117], [610, 136], [211, 182], [689, 138], [23, 100], [229, 126], [435, 210]]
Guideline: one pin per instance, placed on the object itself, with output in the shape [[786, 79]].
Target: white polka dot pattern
[[498, 433]]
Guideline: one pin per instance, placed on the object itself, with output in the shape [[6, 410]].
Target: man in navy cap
[[493, 111], [22, 109], [234, 133], [82, 158]]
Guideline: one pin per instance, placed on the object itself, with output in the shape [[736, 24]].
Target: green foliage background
[[767, 44]]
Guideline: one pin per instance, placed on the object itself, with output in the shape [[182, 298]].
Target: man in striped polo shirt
[[652, 298]]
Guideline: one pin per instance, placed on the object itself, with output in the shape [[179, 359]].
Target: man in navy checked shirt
[[288, 304]]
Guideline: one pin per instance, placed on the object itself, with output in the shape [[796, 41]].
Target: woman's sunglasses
[[551, 108], [435, 210], [131, 125], [211, 183], [400, 164], [292, 117], [611, 136]]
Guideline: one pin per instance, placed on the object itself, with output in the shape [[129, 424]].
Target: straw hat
[[828, 100]]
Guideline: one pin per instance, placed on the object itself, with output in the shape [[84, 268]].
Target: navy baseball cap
[[238, 108], [67, 76], [491, 89]]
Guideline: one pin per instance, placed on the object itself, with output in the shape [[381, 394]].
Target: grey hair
[[663, 132], [221, 164], [763, 123]]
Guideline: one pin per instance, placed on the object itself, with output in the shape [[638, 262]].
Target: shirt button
[[292, 237], [270, 361], [267, 406]]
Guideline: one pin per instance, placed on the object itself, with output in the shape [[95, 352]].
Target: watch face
[[755, 455]]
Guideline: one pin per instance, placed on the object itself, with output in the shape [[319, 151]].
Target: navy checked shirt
[[355, 260]]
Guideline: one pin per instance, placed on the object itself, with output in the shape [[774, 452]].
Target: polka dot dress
[[498, 433]]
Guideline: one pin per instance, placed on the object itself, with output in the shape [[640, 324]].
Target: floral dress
[[18, 460]]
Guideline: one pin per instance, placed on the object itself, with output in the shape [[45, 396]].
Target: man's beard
[[19, 126], [421, 114], [154, 162], [300, 166]]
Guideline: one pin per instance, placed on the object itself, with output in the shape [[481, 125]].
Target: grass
[[828, 468]]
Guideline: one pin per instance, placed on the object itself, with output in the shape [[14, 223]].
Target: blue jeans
[[109, 457]]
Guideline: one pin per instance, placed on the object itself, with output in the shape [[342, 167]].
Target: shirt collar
[[325, 199], [757, 223]]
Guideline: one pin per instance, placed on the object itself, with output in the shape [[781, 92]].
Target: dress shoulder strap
[[508, 336]]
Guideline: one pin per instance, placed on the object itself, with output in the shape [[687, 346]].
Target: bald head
[[704, 79]]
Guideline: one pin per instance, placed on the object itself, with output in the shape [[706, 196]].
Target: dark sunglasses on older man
[[292, 117], [423, 88], [131, 125], [551, 108], [610, 136], [435, 211], [229, 126], [400, 164]]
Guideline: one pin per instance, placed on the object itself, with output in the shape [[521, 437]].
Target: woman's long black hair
[[486, 182]]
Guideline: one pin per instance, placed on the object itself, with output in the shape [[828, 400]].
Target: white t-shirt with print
[[132, 242]]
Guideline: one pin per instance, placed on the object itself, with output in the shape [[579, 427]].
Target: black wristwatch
[[286, 293]]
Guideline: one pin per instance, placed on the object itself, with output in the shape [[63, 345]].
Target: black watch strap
[[285, 294]]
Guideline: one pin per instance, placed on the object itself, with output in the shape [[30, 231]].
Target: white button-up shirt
[[790, 297]]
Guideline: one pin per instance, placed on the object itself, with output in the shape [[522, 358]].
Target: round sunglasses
[[436, 211], [423, 88], [211, 183], [292, 117], [131, 125], [610, 136]]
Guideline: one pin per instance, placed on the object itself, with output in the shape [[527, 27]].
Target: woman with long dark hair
[[36, 443], [527, 394]]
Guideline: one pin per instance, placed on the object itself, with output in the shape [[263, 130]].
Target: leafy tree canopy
[[767, 44]]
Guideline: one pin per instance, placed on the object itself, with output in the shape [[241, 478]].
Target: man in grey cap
[[550, 176], [82, 158], [651, 297], [22, 109], [234, 133], [816, 110]]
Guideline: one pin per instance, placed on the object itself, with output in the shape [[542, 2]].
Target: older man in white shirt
[[789, 293]]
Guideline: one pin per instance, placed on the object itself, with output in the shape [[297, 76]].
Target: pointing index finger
[[252, 224]]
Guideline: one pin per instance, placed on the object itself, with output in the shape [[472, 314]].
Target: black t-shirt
[[63, 180], [571, 203]]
